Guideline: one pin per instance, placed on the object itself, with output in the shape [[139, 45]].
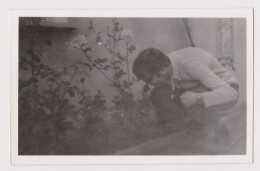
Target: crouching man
[[189, 83]]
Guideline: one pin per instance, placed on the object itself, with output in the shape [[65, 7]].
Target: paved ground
[[188, 143]]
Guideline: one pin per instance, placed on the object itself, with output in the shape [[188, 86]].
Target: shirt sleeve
[[220, 93]]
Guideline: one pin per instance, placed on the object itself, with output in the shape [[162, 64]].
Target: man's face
[[163, 77]]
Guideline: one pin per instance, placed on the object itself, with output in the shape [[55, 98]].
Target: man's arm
[[220, 93]]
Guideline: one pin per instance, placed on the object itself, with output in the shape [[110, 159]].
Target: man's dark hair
[[149, 62]]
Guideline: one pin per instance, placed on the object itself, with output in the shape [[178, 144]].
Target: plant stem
[[112, 52], [99, 70], [33, 74], [113, 55], [70, 82], [109, 50], [127, 61]]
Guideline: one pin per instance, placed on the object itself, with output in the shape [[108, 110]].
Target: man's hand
[[189, 98]]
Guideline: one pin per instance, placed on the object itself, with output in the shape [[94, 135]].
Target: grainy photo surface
[[132, 86]]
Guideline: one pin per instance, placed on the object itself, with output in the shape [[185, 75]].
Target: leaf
[[34, 80], [44, 74], [127, 84], [36, 58], [106, 67], [91, 25], [66, 101], [90, 22], [115, 62], [42, 66], [48, 42], [146, 88], [85, 49], [29, 51], [119, 56], [87, 65], [120, 73], [116, 29], [101, 60], [22, 59], [82, 101], [115, 84], [110, 36], [51, 80], [23, 66], [116, 67], [131, 48], [71, 92], [82, 80]]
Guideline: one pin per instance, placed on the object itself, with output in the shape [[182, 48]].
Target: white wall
[[204, 36], [240, 54]]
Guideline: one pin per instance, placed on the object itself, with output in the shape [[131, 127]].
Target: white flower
[[79, 41], [127, 34]]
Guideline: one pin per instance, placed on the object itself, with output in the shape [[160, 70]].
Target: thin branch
[[112, 52], [33, 74], [127, 62], [109, 50], [99, 70]]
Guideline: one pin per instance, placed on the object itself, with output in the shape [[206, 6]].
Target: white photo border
[[144, 13]]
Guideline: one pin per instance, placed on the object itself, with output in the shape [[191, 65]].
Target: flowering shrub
[[48, 112], [58, 115], [80, 42], [126, 35], [126, 107]]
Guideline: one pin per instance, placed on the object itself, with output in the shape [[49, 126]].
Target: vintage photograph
[[135, 86], [132, 86]]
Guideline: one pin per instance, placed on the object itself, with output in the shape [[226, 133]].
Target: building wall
[[240, 54], [204, 35]]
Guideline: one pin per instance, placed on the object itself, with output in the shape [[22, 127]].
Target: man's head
[[152, 66]]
